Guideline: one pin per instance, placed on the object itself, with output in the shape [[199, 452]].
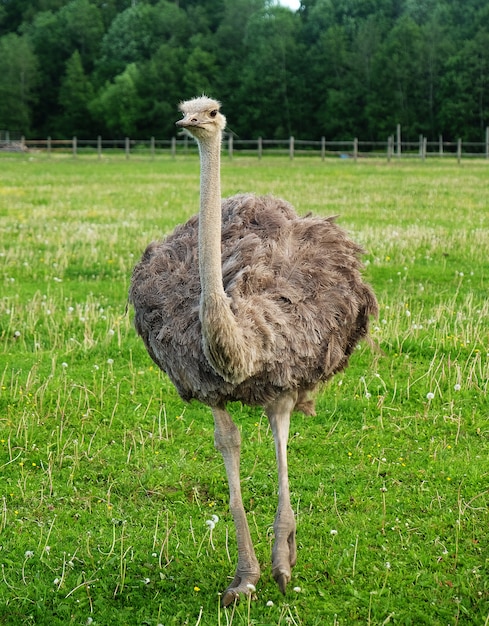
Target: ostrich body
[[248, 301]]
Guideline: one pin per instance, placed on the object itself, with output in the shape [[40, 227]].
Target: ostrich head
[[202, 117]]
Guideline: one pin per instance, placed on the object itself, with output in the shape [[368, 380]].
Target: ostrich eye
[[213, 113]]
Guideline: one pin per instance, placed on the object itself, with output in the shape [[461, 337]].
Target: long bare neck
[[210, 265], [225, 346]]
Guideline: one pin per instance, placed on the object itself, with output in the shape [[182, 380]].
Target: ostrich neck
[[223, 341], [210, 264]]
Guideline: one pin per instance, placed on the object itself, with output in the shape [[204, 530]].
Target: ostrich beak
[[187, 122]]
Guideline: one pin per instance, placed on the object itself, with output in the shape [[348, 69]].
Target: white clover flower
[[430, 395], [214, 518], [333, 532], [210, 524], [146, 581], [17, 334], [28, 554], [47, 549], [64, 365], [387, 565], [111, 332], [270, 603], [56, 581], [251, 588], [297, 589], [457, 387], [110, 361]]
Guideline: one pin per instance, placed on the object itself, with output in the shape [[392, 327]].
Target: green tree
[[230, 49], [329, 59], [136, 34], [401, 95], [267, 75], [199, 72], [160, 90], [465, 102], [117, 105], [14, 12], [18, 77], [55, 36], [75, 95]]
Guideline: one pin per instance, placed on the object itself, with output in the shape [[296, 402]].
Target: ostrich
[[249, 302]]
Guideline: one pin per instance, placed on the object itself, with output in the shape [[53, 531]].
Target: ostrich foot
[[243, 584], [284, 558]]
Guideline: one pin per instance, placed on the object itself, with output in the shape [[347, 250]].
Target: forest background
[[334, 68]]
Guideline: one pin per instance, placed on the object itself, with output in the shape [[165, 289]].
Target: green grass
[[107, 478]]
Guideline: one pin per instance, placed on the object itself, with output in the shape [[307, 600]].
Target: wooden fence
[[393, 148]]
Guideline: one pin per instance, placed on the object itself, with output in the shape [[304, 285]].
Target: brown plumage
[[260, 308], [294, 281]]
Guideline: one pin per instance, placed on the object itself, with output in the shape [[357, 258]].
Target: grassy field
[[107, 478]]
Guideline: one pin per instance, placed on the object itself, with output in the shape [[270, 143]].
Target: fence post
[[127, 147], [440, 144], [260, 148], [355, 149], [22, 143], [291, 148], [487, 142], [152, 143], [398, 141], [230, 146], [459, 149], [323, 148], [421, 146], [173, 147], [425, 147], [74, 147], [99, 147], [49, 147]]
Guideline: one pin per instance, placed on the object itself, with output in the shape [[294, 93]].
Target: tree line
[[334, 68]]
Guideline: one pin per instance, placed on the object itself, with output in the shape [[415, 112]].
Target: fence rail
[[393, 148]]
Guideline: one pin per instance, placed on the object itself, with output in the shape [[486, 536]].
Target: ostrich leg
[[284, 552], [228, 441]]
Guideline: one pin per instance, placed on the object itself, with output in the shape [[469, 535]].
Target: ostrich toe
[[283, 560], [243, 584]]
